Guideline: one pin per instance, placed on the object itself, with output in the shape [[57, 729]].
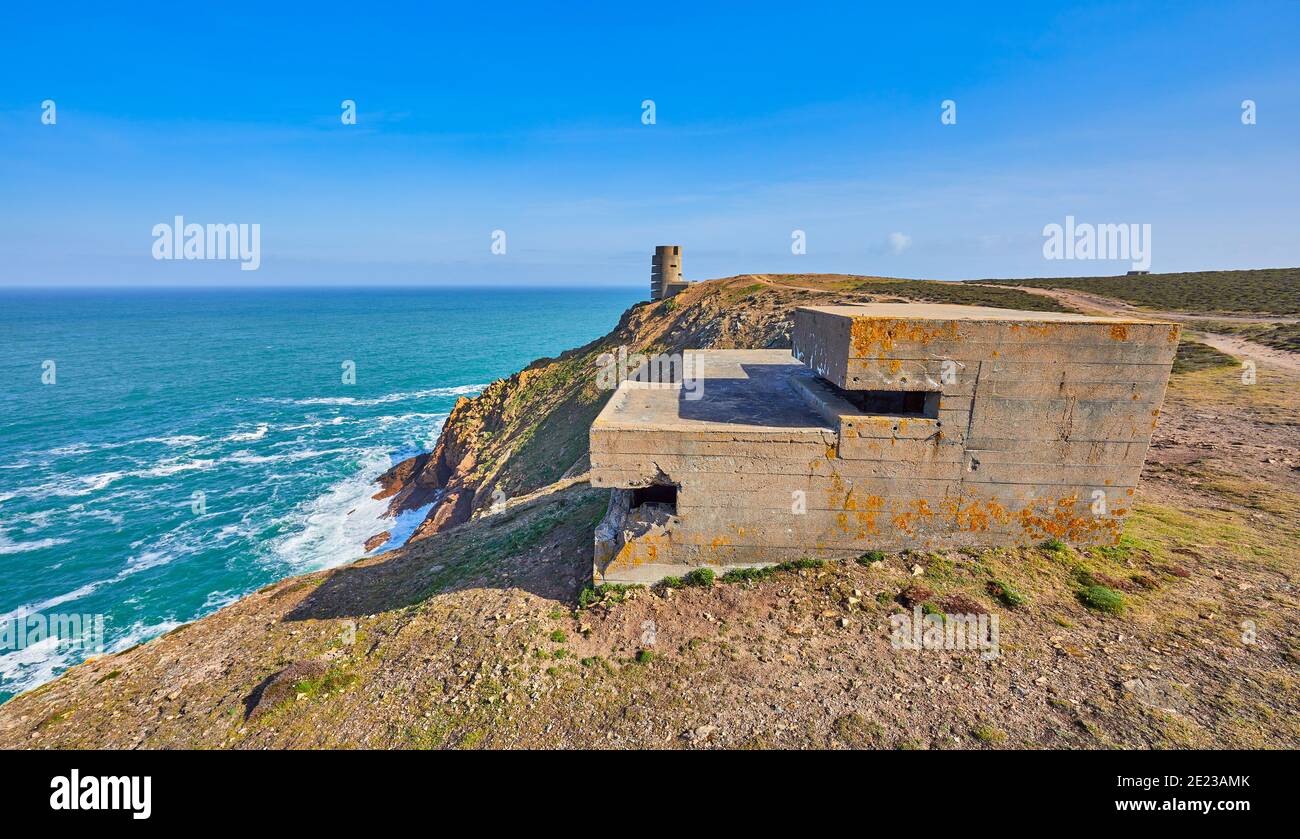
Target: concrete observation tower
[[666, 272]]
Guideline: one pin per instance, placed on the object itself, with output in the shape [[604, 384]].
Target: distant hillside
[[1274, 291]]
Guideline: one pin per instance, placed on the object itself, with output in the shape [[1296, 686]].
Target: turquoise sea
[[195, 445]]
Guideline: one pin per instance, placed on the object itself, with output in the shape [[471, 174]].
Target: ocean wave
[[50, 603], [248, 457], [36, 664], [139, 632], [177, 440], [404, 524], [171, 467], [457, 390], [143, 562], [218, 600], [78, 486], [8, 546], [248, 436], [333, 527], [339, 420]]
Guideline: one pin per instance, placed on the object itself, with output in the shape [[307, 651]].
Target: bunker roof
[[949, 311], [744, 391]]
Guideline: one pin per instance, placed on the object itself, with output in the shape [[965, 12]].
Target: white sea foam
[[139, 632], [50, 603], [335, 525], [219, 600], [404, 524], [171, 467], [143, 562], [457, 390], [247, 457], [9, 546], [177, 440], [79, 486], [36, 664], [248, 436]]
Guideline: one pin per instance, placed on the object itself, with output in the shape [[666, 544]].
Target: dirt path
[[1233, 345], [766, 279]]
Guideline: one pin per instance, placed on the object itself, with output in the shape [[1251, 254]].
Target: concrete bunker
[[887, 426]]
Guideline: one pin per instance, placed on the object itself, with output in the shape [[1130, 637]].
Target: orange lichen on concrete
[[871, 336], [1042, 330], [976, 516], [1119, 332], [907, 519], [1046, 519]]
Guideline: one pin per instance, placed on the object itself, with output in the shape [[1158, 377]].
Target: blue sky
[[526, 118]]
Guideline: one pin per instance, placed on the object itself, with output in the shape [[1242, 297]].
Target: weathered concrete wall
[[1031, 425]]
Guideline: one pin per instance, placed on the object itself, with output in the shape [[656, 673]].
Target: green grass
[[933, 291], [1270, 290], [559, 636], [1005, 593], [699, 578], [744, 575], [329, 682], [606, 592], [1103, 599], [1194, 356], [870, 557]]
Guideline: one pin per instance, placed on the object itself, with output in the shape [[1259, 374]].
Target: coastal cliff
[[481, 631]]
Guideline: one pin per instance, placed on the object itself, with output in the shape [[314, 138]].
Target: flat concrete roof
[[741, 391], [949, 311]]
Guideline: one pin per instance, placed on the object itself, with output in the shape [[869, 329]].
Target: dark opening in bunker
[[665, 494], [897, 403]]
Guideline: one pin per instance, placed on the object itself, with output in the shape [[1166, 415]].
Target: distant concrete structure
[[891, 426], [666, 272]]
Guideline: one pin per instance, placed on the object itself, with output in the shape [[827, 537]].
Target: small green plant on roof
[[870, 557], [747, 575], [1006, 594], [1054, 545], [605, 592], [988, 734], [1103, 599], [753, 575], [700, 578], [645, 656], [559, 636]]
